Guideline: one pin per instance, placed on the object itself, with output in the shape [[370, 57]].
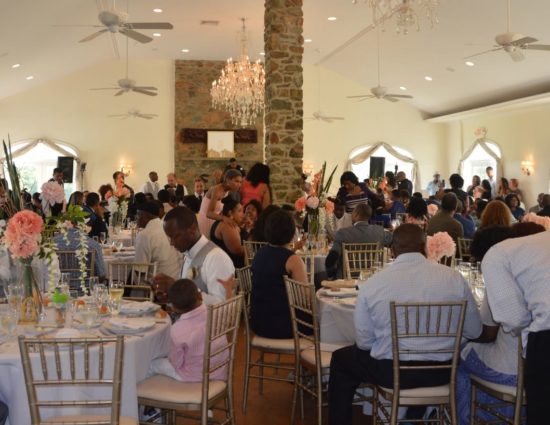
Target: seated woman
[[228, 236], [270, 313], [495, 213], [493, 356], [258, 233], [417, 212], [512, 201], [252, 211]]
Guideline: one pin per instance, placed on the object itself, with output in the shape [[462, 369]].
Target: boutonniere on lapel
[[192, 273]]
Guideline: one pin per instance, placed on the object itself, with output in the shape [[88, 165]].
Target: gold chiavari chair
[[176, 398], [310, 362], [506, 394], [135, 277], [68, 263], [358, 257], [58, 364], [464, 248], [441, 325], [250, 250], [309, 261], [448, 261]]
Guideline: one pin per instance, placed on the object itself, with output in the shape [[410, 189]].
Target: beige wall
[[65, 109], [522, 134], [368, 122]]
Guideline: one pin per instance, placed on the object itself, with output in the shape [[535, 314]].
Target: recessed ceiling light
[[469, 63], [428, 78], [332, 18], [157, 34], [157, 10], [262, 53], [402, 88], [30, 77], [308, 40], [16, 65], [185, 50]]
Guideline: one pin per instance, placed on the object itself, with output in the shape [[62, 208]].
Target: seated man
[[187, 335], [95, 219], [360, 232], [338, 219], [411, 278], [206, 264], [443, 221], [72, 242], [152, 244]]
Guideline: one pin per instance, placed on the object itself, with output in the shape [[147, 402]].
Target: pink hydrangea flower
[[543, 221], [329, 206], [440, 245], [52, 193], [23, 234], [432, 210], [312, 202], [300, 204]]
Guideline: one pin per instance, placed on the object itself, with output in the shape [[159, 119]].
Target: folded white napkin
[[134, 324], [137, 307], [67, 333]]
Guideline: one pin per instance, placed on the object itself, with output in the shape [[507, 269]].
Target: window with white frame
[[362, 170], [478, 160]]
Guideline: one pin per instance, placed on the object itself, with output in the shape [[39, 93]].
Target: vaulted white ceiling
[[45, 51]]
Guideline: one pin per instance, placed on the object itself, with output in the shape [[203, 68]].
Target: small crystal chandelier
[[240, 88], [406, 12]]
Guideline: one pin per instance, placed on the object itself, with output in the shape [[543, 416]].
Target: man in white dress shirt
[[152, 186], [207, 265], [410, 278], [152, 244], [517, 279], [491, 177]]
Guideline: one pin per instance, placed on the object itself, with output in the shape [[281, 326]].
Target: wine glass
[[102, 237], [88, 315], [116, 290]]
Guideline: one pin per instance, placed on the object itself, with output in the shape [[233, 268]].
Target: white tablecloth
[[138, 353], [124, 236], [336, 321]]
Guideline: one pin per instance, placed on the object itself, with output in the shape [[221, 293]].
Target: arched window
[[482, 154], [36, 159], [359, 160]]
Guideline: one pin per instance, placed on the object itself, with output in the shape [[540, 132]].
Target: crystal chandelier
[[406, 12], [240, 88]]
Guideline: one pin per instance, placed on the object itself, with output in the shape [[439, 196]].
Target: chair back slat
[[72, 363], [68, 263], [358, 257], [309, 261], [303, 312], [135, 277], [250, 250], [449, 261], [464, 248]]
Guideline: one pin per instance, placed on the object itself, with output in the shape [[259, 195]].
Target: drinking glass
[[116, 290], [9, 321], [88, 315], [464, 268], [65, 279], [16, 293], [94, 281], [102, 237]]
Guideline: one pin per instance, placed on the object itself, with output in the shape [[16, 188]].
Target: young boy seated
[[187, 338]]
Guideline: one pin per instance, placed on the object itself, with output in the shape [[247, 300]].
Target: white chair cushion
[[418, 395], [505, 389], [308, 355], [163, 388], [124, 420], [277, 344]]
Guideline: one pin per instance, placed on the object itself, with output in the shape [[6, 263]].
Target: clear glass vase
[[32, 305]]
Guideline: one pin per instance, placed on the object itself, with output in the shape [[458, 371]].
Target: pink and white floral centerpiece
[[440, 245], [534, 218], [51, 193]]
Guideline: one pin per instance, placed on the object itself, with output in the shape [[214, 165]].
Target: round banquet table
[[124, 236], [335, 321], [138, 353]]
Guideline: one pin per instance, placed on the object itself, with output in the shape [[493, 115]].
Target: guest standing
[[172, 183], [352, 192], [211, 206], [270, 313], [434, 186], [491, 179], [403, 183], [256, 185], [152, 186]]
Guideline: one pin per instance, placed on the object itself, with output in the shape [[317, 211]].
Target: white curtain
[[483, 144], [363, 156], [53, 145]]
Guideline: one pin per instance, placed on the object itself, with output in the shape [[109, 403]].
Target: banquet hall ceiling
[[46, 52]]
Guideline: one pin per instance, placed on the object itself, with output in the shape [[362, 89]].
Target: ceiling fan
[[134, 113], [318, 115], [380, 92], [125, 85], [513, 43]]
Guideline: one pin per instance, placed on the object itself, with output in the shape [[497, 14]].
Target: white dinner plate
[[149, 324], [339, 292]]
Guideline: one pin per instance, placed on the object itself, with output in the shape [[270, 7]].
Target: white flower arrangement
[[82, 255]]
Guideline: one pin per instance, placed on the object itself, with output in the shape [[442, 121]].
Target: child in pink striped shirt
[[187, 338]]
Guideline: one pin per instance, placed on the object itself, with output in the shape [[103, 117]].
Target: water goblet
[[88, 315], [9, 321], [116, 290]]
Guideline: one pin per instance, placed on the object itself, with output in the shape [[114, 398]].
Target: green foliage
[[14, 176]]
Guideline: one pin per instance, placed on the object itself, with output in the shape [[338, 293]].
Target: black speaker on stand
[[66, 163], [377, 165]]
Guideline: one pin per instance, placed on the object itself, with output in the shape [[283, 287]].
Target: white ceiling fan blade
[[359, 95], [119, 115], [482, 53], [92, 36], [105, 88], [516, 55], [150, 25], [400, 96], [145, 88], [148, 93], [119, 93], [524, 40], [366, 98], [134, 35], [537, 47], [390, 98], [333, 118], [147, 117]]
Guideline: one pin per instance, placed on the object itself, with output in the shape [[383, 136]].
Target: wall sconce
[[308, 168], [527, 167], [126, 169]]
